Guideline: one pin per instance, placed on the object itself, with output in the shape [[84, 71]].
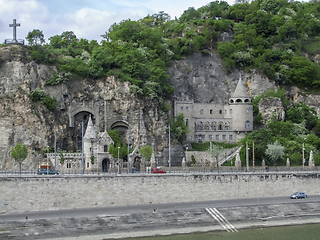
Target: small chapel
[[96, 156]]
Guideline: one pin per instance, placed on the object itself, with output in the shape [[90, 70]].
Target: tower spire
[[90, 131]]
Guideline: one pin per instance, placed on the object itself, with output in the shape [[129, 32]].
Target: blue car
[[298, 195]]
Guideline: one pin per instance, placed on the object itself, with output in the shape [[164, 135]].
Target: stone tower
[[96, 145], [88, 142], [242, 109]]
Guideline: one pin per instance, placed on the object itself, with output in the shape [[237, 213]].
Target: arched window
[[187, 122], [105, 148], [207, 126], [220, 127], [247, 124]]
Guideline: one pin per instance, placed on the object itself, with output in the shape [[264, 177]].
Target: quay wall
[[35, 193]]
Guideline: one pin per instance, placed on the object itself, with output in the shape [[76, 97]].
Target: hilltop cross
[[14, 25]]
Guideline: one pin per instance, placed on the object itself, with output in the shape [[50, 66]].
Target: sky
[[86, 18]]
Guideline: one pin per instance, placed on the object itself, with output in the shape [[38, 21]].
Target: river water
[[300, 232]]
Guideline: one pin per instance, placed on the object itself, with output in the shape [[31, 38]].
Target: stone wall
[[21, 194]]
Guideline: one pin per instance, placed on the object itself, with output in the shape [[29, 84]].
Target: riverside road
[[159, 219], [89, 212]]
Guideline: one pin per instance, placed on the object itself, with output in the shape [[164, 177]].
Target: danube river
[[301, 232]]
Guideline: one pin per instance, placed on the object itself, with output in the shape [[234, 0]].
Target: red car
[[157, 170]]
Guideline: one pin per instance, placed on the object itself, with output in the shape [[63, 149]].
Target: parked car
[[157, 170], [44, 171], [298, 195]]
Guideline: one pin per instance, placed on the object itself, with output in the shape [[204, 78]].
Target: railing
[[176, 170], [12, 41]]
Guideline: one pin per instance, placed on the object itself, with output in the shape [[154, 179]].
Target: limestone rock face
[[111, 105], [109, 101], [271, 107], [203, 79]]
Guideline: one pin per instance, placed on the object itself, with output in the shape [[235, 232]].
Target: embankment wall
[[34, 193]]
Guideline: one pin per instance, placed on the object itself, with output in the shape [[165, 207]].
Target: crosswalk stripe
[[225, 224]]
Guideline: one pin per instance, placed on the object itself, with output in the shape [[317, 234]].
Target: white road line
[[225, 224], [209, 210], [229, 225]]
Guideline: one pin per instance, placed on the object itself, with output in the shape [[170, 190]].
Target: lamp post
[[128, 170], [303, 160], [247, 156], [169, 151], [118, 161], [82, 161], [47, 160], [55, 149]]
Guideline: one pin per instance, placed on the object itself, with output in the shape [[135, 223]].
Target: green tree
[[146, 152], [275, 152], [114, 134], [19, 153], [300, 112], [35, 37], [214, 151], [178, 127], [63, 40]]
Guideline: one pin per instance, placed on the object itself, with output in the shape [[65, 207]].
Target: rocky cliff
[[198, 78]]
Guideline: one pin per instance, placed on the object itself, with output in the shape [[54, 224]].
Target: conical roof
[[90, 131], [241, 90]]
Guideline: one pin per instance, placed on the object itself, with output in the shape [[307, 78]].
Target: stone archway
[[122, 127], [78, 109], [105, 165], [137, 163]]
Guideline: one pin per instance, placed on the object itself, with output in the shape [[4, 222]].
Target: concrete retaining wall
[[25, 193]]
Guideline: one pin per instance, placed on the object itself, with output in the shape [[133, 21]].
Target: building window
[[210, 137], [87, 164], [211, 111], [105, 148], [187, 122], [225, 111], [230, 137], [217, 137], [201, 111], [223, 137], [247, 124], [181, 108], [220, 111], [68, 165], [230, 111], [187, 108], [203, 137]]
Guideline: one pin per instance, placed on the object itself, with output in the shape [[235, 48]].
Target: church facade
[[226, 122], [96, 156]]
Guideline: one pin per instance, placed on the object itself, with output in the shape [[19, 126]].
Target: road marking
[[225, 224]]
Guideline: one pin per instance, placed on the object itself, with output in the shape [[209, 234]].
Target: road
[[90, 212]]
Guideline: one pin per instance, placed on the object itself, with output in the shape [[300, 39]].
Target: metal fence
[[12, 41], [174, 170]]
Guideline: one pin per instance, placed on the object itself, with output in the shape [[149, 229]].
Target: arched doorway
[[105, 165], [137, 163]]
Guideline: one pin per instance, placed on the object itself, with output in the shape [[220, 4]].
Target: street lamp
[[247, 155], [47, 160], [169, 151], [82, 161], [128, 151], [118, 161], [55, 149], [303, 160]]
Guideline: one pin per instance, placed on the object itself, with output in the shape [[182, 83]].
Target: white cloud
[[86, 18]]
